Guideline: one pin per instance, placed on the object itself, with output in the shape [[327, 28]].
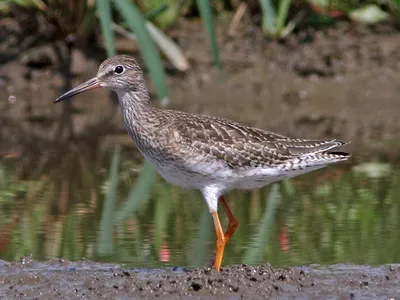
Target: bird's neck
[[135, 103], [138, 112]]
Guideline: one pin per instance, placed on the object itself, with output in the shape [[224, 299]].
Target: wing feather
[[242, 146]]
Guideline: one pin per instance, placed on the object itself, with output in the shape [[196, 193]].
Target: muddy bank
[[337, 82], [62, 279]]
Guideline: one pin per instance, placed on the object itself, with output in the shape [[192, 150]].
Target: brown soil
[[61, 279], [339, 82]]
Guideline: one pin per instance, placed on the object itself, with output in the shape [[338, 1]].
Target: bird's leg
[[233, 222], [220, 245], [223, 238]]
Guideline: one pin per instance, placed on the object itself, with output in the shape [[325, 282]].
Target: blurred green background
[[99, 203]]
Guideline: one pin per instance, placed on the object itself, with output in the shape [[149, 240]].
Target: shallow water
[[342, 214]]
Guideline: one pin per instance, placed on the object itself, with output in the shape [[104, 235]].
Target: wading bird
[[202, 152]]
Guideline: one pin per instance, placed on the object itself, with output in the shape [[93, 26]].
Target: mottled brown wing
[[241, 146]]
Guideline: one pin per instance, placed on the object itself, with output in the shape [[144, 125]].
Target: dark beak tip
[[88, 85], [59, 99]]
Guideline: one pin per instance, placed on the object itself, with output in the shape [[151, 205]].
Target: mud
[[338, 82], [61, 279]]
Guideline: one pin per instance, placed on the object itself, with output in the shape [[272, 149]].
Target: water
[[54, 206]]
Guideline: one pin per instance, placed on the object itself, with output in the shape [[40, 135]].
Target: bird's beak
[[93, 83]]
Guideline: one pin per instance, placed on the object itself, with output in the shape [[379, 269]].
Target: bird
[[203, 152]]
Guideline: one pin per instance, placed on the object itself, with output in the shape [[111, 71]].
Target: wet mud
[[61, 279], [337, 82]]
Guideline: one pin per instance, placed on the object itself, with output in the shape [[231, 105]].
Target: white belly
[[200, 174]]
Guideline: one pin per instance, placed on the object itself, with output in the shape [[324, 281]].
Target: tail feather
[[304, 147], [326, 158], [312, 155]]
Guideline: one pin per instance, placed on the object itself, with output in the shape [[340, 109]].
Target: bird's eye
[[119, 69]]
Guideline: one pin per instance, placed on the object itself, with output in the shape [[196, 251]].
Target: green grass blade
[[105, 245], [168, 47], [160, 222], [268, 17], [69, 238], [155, 12], [282, 15], [88, 22], [206, 14], [138, 193], [200, 243], [136, 23], [254, 252], [161, 12], [104, 12]]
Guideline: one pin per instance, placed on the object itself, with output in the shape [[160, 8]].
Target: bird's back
[[199, 149]]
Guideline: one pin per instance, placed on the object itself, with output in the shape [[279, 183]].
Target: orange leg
[[220, 245], [233, 222], [223, 238]]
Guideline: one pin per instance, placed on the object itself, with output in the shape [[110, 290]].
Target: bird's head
[[119, 73]]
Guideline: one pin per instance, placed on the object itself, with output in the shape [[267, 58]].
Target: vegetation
[[278, 16]]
